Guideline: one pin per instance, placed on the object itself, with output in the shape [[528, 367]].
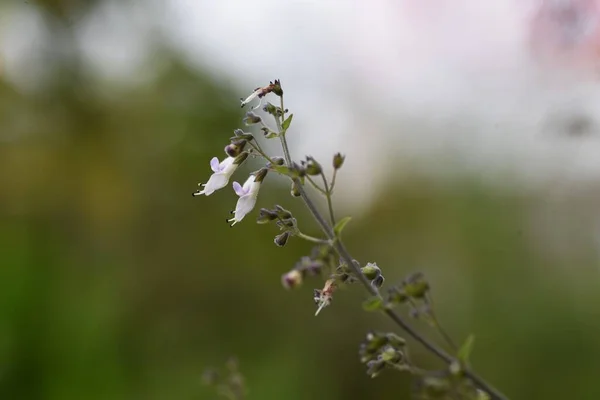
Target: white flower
[[220, 178], [248, 195]]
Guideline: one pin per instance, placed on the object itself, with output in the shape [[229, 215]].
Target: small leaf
[[465, 350], [373, 304], [340, 225], [286, 124]]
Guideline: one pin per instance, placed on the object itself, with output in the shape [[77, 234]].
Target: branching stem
[[345, 256]]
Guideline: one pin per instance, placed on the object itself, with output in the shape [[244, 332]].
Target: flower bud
[[240, 134], [278, 160], [265, 216], [281, 239], [374, 367], [268, 133], [276, 87], [390, 354], [297, 170], [416, 286], [260, 175], [282, 212], [378, 282], [273, 110], [251, 118], [235, 148], [291, 279], [313, 167], [295, 191], [338, 160], [371, 271], [286, 223], [396, 295]]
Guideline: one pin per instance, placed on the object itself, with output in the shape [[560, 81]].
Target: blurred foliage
[[116, 284]]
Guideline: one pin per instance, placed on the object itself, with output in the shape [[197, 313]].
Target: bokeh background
[[470, 157]]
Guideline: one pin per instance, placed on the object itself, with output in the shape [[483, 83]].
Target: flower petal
[[244, 205], [214, 164], [238, 189], [248, 184], [217, 181], [227, 164]]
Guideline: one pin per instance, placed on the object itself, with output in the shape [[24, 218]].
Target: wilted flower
[[253, 95], [248, 195], [324, 296], [222, 172], [260, 92]]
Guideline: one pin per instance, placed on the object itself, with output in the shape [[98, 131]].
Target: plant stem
[[333, 181], [260, 151], [329, 202], [314, 184], [338, 245], [347, 258], [312, 239]]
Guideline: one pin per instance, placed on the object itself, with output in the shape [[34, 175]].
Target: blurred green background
[[116, 284]]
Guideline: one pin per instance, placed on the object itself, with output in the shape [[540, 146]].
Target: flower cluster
[[414, 291], [383, 350], [222, 172], [330, 258]]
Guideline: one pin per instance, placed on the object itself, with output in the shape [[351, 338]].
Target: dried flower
[[324, 296]]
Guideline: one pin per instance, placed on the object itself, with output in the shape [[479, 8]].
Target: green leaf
[[373, 304], [286, 124], [465, 350], [337, 229]]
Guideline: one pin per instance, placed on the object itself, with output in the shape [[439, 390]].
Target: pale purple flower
[[248, 195], [220, 178]]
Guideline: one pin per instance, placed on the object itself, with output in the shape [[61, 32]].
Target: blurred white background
[[440, 86]]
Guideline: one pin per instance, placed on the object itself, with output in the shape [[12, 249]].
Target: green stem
[[333, 181], [329, 202], [312, 239], [314, 184], [260, 151], [340, 248]]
